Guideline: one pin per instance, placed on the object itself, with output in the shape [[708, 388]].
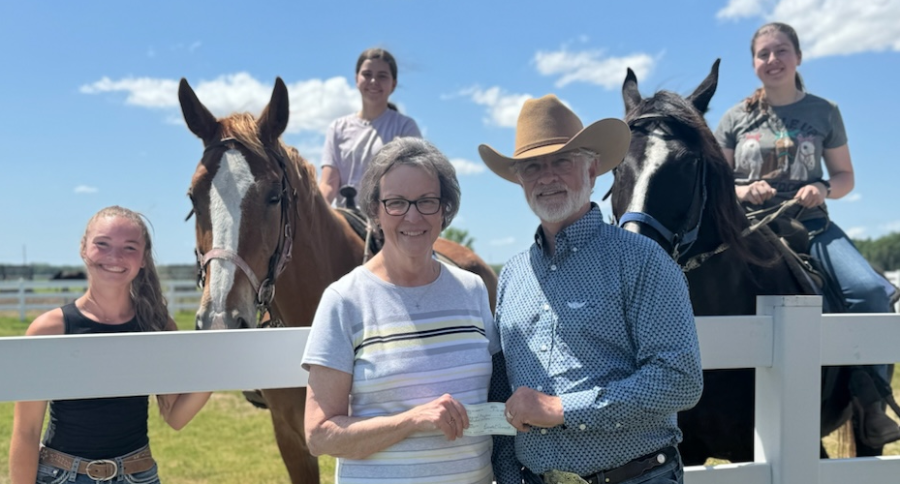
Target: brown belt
[[101, 469]]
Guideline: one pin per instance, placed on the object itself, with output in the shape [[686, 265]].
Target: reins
[[774, 212]]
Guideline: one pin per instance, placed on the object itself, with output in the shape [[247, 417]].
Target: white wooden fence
[[26, 296], [787, 342]]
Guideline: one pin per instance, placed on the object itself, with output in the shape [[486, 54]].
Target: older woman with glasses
[[403, 343]]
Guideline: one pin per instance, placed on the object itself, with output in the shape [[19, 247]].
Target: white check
[[488, 419]]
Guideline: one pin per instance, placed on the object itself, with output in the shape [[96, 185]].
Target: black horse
[[675, 187]]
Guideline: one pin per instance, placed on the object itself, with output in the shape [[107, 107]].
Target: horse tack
[[683, 239], [281, 256]]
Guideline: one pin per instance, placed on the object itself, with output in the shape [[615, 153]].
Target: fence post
[[22, 299], [788, 403]]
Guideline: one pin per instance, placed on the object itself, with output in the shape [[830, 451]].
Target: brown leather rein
[[278, 261]]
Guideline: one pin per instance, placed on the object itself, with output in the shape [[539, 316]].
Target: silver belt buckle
[[560, 477], [103, 464]]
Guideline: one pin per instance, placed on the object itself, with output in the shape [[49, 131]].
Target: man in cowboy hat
[[599, 346]]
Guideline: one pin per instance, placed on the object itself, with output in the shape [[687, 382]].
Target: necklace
[[415, 295]]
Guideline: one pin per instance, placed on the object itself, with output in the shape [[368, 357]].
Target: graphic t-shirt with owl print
[[783, 147]]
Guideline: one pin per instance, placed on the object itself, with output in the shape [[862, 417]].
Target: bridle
[[265, 290], [683, 239]]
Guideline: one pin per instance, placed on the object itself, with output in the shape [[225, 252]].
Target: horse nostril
[[242, 323]]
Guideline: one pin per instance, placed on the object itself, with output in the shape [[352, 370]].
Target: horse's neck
[[324, 249]]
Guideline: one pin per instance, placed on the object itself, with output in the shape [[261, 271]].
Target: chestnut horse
[[262, 225]]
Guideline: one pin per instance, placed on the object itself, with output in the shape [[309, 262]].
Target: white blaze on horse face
[[655, 154], [226, 194]]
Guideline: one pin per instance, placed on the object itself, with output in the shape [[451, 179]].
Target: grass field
[[230, 442]]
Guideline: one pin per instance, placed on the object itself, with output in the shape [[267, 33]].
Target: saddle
[[358, 221]]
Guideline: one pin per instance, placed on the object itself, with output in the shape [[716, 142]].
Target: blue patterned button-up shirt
[[606, 324]]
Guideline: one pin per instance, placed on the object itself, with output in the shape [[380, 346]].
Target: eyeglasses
[[533, 169], [399, 206]]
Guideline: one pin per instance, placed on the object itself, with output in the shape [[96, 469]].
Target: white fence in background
[[787, 342], [894, 277], [26, 296]]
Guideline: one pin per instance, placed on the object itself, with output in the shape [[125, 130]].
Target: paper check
[[488, 419]]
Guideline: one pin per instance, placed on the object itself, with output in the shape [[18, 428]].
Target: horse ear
[[199, 120], [274, 119], [704, 92], [630, 91]]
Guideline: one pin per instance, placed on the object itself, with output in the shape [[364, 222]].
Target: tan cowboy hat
[[547, 126]]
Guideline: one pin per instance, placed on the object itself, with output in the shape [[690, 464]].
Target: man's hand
[[528, 408]]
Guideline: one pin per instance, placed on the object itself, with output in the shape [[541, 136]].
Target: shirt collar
[[578, 234]]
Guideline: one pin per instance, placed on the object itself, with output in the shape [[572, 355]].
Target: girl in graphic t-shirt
[[352, 140], [101, 439], [776, 140]]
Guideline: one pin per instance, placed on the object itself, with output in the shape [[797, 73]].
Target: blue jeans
[[864, 290], [671, 472], [52, 475]]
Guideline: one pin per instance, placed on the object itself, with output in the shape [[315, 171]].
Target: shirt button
[[539, 388], [582, 426], [574, 249], [543, 431], [553, 267], [618, 425], [543, 347], [546, 307]]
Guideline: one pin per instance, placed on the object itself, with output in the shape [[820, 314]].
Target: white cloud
[[743, 8], [466, 167], [829, 27], [853, 197], [591, 66], [856, 232], [314, 103], [503, 108], [84, 189], [503, 241], [891, 226]]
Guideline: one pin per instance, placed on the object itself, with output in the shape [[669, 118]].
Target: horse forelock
[[677, 117]]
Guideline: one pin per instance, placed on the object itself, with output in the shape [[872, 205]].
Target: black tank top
[[97, 428]]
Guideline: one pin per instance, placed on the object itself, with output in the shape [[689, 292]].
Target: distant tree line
[[883, 253]]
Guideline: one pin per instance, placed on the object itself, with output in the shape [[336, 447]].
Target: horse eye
[[275, 199]]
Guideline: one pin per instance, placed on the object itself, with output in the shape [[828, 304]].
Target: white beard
[[555, 212]]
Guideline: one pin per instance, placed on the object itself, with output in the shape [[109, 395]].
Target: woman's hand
[[811, 195], [444, 413], [755, 193]]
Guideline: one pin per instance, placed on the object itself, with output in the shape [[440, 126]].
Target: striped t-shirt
[[406, 346]]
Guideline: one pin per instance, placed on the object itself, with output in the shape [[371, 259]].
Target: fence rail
[[787, 342], [23, 296]]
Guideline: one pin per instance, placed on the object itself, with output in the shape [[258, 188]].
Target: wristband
[[827, 186]]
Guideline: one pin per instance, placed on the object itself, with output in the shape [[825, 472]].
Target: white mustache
[[551, 189]]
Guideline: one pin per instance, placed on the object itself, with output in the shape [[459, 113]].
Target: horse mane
[[722, 206]]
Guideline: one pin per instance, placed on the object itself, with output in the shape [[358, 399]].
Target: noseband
[[265, 290], [682, 239]]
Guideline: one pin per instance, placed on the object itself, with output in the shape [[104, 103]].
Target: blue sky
[[91, 116]]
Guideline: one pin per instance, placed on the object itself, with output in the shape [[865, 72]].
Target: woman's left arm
[[178, 409], [840, 177]]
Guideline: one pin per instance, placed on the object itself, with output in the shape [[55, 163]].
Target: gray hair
[[414, 152]]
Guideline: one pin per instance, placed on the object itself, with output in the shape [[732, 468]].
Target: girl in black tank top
[[123, 296]]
